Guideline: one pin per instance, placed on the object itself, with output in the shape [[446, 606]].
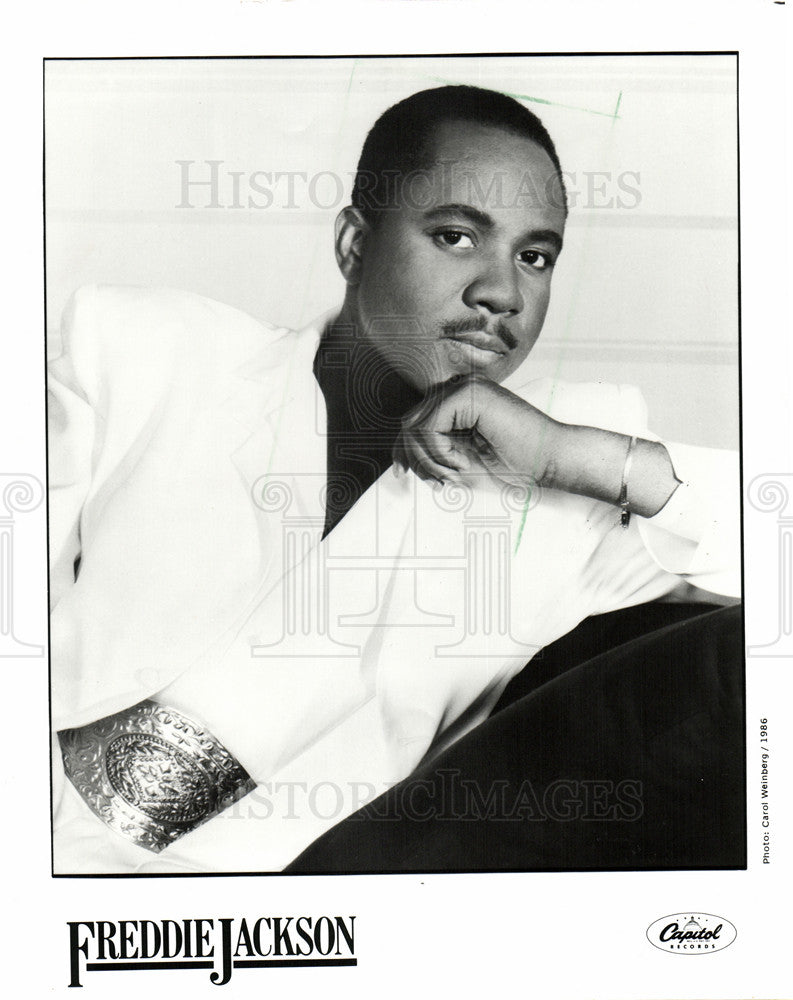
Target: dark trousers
[[619, 747]]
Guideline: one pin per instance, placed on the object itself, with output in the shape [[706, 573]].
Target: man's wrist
[[585, 460], [590, 461]]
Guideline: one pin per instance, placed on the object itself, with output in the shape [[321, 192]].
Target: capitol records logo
[[691, 933]]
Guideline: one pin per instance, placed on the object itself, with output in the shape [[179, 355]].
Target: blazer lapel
[[278, 429]]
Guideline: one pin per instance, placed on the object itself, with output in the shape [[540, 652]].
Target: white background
[[575, 936]]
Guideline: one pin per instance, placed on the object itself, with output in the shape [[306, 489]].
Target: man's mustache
[[475, 324]]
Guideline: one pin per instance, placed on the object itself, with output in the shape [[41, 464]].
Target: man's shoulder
[[135, 318], [154, 338]]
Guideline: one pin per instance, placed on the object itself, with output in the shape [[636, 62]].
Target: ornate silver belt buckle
[[151, 774]]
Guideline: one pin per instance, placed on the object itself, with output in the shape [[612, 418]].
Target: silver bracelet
[[152, 774], [624, 502]]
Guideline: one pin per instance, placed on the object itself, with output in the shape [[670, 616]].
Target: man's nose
[[496, 288]]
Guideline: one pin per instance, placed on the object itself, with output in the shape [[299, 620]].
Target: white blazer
[[165, 410], [187, 468]]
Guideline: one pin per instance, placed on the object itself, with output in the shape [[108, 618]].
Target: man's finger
[[443, 450], [422, 462]]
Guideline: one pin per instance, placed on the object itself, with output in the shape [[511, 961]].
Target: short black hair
[[397, 143]]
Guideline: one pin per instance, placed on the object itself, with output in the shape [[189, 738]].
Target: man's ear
[[351, 232]]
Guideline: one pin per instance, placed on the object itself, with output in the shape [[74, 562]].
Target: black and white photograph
[[378, 545], [395, 499]]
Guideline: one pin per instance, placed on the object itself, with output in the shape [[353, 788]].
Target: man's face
[[456, 278]]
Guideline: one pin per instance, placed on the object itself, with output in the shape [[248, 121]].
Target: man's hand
[[469, 427]]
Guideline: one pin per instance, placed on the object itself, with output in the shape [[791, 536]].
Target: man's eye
[[536, 259], [454, 238]]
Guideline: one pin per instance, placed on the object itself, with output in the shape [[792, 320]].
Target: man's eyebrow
[[474, 215], [545, 236], [484, 221]]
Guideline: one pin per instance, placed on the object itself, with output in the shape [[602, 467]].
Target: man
[[177, 690], [491, 262]]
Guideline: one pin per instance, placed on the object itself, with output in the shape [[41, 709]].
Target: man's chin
[[428, 370], [467, 359]]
